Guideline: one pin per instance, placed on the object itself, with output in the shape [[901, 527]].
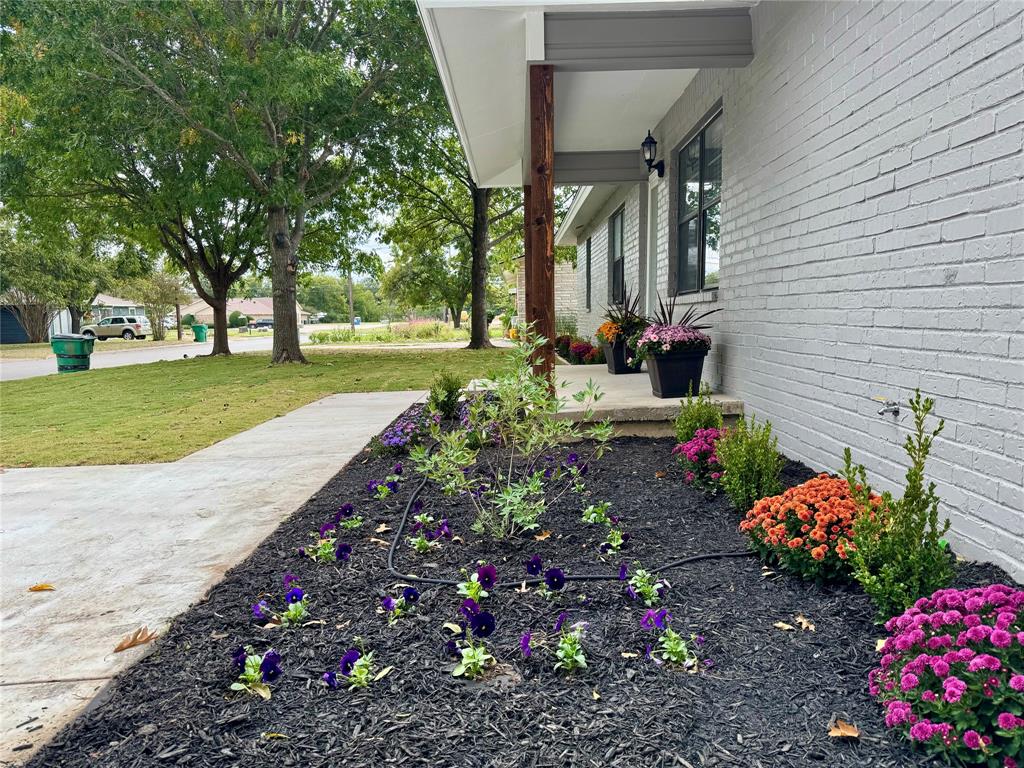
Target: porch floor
[[627, 400]]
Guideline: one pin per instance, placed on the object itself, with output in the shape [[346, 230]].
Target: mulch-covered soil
[[765, 698]]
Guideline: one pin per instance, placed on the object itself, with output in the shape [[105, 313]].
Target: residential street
[[11, 370]]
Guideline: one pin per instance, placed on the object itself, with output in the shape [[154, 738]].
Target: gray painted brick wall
[[873, 242]]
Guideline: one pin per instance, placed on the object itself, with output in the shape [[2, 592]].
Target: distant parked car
[[263, 322], [127, 327]]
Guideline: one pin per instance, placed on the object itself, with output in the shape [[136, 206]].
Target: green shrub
[[187, 320], [565, 325], [237, 320], [900, 553], [751, 463], [697, 413], [444, 394]]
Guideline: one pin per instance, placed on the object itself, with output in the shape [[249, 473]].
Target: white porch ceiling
[[483, 48]]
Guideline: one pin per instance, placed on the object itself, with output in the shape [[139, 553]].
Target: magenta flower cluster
[[952, 674], [699, 459], [661, 339]]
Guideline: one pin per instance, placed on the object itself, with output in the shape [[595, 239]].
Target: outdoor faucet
[[890, 406]]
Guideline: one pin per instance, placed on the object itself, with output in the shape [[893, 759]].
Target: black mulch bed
[[766, 701]]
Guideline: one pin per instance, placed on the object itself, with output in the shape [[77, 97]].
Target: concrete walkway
[[131, 545]]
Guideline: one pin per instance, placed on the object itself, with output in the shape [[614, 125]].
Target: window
[[699, 209], [588, 273], [616, 265]]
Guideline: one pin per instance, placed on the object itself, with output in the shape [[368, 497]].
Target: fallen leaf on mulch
[[272, 735], [140, 636], [522, 588], [543, 535], [629, 655], [841, 729], [383, 528], [383, 673], [452, 627], [458, 540], [804, 622], [660, 474], [595, 695], [784, 626], [218, 635], [879, 643], [381, 542], [42, 588]]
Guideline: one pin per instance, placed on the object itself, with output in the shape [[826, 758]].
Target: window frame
[[677, 206], [620, 214], [588, 267]]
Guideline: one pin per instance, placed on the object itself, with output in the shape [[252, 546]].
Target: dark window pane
[[689, 178], [712, 228], [712, 161], [689, 255], [588, 273]]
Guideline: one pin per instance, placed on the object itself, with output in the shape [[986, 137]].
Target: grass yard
[[163, 411], [43, 351]]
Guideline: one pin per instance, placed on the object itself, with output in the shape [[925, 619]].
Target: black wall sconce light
[[650, 150]]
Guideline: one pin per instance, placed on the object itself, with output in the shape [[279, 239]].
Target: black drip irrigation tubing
[[535, 581]]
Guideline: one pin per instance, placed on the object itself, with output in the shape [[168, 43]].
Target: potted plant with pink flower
[[674, 351]]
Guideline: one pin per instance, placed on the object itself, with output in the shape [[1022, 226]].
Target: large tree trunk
[[220, 325], [177, 318], [76, 319], [351, 302], [286, 324], [479, 334]]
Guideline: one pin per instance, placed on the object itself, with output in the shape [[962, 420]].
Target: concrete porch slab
[[627, 400]]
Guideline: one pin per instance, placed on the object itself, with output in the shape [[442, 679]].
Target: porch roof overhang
[[619, 65]]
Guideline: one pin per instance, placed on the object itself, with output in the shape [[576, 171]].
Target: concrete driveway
[[131, 545]]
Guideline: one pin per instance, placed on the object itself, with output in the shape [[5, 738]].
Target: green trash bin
[[72, 351], [199, 330]]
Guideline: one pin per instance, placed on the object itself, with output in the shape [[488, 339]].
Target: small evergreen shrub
[[901, 555], [187, 320], [697, 413], [951, 676], [444, 394], [751, 463]]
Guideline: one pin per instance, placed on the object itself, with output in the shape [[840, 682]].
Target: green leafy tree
[[159, 292], [296, 97], [431, 277]]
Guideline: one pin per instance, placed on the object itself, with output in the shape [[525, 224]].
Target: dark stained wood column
[[540, 248]]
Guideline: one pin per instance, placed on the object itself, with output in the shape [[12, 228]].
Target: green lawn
[[163, 411], [43, 351]]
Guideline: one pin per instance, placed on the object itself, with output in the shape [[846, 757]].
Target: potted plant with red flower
[[622, 322], [674, 351]]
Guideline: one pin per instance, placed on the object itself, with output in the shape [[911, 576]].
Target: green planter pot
[[72, 351], [676, 373]]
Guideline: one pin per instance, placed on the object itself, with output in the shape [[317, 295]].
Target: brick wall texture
[[872, 242]]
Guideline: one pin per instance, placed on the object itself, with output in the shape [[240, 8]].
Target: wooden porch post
[[540, 201]]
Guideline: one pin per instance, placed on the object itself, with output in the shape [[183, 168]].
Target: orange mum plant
[[608, 332], [808, 529]]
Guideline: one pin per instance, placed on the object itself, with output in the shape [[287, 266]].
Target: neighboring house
[[565, 290], [843, 180], [11, 331], [257, 309], [108, 306]]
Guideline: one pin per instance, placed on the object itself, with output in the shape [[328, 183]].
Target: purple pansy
[[326, 528], [348, 661], [487, 576], [524, 644], [388, 602], [288, 578], [562, 618], [411, 595], [655, 619], [343, 552], [261, 610], [623, 572], [534, 565], [238, 657], [295, 595], [270, 667], [482, 624], [331, 678], [470, 608], [554, 578]]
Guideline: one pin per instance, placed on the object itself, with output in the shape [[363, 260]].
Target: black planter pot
[[616, 355], [676, 373]]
